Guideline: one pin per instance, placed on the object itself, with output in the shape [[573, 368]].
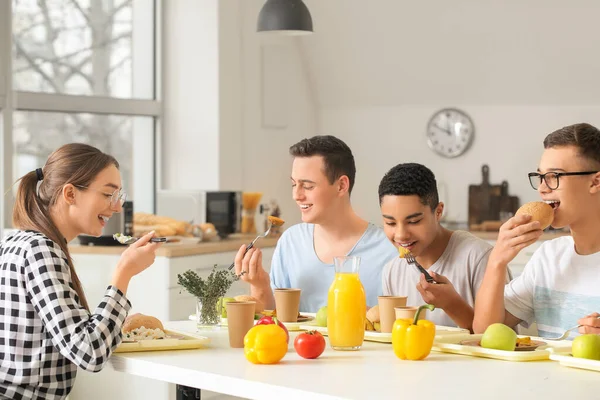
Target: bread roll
[[373, 314], [539, 211], [138, 320], [258, 308]]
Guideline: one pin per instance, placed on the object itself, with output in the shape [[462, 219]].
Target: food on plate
[[524, 342], [321, 317], [309, 344], [372, 322], [412, 339], [539, 211], [500, 337], [258, 308], [586, 346], [268, 320], [265, 344], [142, 327], [221, 306], [403, 252], [119, 237]]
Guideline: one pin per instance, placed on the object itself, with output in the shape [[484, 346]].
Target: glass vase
[[208, 313]]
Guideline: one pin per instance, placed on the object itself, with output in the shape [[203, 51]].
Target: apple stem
[[430, 307]]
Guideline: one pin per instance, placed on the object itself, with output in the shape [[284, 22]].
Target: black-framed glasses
[[552, 178], [117, 197]]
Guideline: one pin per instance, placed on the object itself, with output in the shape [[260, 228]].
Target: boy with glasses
[[559, 286]]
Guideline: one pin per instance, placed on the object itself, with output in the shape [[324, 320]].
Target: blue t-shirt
[[296, 265]]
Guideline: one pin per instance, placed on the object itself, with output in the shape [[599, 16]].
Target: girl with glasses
[[47, 328]]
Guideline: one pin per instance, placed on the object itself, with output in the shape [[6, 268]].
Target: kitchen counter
[[186, 247]]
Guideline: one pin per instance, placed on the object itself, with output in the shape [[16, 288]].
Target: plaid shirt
[[45, 333]]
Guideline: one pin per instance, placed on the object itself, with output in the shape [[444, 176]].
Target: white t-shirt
[[557, 287], [463, 262]]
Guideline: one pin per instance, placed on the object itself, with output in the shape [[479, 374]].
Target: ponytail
[[32, 211]]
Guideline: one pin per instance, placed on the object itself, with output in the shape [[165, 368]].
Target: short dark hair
[[583, 136], [337, 156], [410, 179]]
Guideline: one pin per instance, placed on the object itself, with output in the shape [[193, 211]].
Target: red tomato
[[309, 344], [266, 320]]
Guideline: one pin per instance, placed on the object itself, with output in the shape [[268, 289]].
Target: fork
[[565, 334], [251, 245], [412, 260]]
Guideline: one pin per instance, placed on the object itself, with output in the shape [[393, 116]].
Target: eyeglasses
[[551, 178], [117, 197]]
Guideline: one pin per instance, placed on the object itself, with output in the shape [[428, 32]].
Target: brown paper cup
[[386, 311], [409, 312], [287, 303], [240, 318]]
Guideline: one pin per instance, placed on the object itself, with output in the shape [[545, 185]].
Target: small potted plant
[[208, 293]]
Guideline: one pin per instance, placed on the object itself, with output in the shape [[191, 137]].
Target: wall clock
[[450, 132]]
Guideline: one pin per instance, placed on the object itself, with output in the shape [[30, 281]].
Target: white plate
[[565, 358], [373, 336], [452, 344], [290, 326], [174, 341]]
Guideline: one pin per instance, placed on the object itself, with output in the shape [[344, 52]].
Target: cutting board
[[505, 203], [480, 203]]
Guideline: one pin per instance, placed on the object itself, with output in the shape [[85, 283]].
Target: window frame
[[12, 101]]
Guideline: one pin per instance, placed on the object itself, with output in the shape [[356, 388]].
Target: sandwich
[[142, 327], [539, 211]]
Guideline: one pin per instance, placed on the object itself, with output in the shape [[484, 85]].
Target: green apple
[[500, 337], [321, 317], [586, 346], [221, 306]]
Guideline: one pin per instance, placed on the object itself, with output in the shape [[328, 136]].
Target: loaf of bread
[[144, 219], [159, 230]]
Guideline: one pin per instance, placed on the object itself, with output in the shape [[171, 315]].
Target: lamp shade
[[287, 17]]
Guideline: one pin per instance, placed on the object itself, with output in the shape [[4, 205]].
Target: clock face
[[450, 132]]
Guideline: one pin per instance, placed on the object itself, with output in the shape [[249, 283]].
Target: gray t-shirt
[[463, 263]]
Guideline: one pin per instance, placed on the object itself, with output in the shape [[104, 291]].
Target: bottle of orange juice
[[346, 306]]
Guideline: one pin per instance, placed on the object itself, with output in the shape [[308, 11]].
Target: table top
[[373, 372]]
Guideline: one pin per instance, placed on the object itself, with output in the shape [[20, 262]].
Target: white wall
[[214, 135], [190, 128], [508, 139]]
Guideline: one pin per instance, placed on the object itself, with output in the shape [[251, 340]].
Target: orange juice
[[346, 312]]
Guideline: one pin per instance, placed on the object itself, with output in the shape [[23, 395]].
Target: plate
[[468, 345], [291, 326], [381, 337], [566, 359], [174, 341], [534, 344]]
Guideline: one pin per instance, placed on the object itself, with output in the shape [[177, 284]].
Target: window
[[80, 71]]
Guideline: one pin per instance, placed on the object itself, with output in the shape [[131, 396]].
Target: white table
[[374, 372]]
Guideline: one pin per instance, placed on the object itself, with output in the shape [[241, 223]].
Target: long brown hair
[[74, 163]]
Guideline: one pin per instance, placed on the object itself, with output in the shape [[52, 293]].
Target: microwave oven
[[223, 209]]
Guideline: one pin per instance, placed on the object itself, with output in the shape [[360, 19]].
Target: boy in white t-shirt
[[456, 260], [560, 286]]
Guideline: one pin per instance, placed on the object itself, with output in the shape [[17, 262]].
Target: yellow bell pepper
[[413, 339], [265, 344]]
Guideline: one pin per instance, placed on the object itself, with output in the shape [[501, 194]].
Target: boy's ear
[[595, 186], [439, 211], [343, 184]]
